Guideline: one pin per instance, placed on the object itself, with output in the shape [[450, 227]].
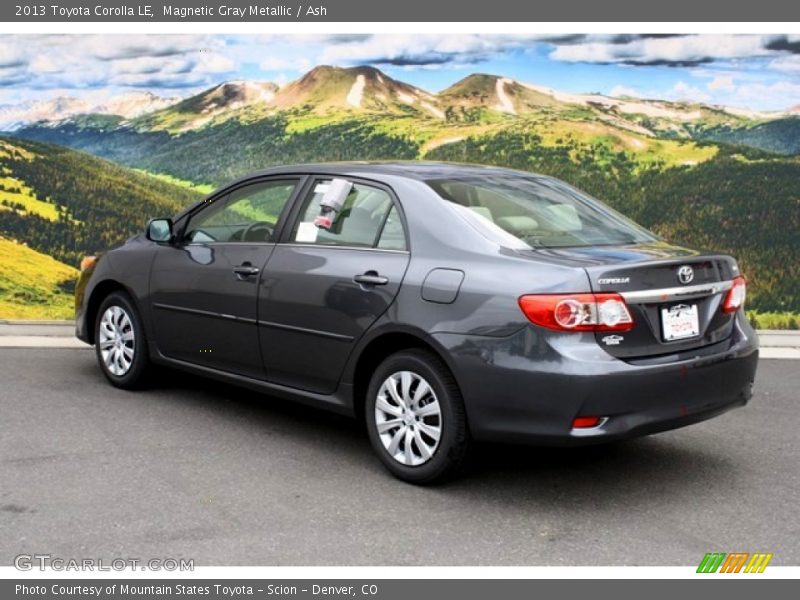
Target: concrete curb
[[37, 328], [61, 334], [40, 341]]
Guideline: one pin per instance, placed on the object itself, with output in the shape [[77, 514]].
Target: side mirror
[[159, 230]]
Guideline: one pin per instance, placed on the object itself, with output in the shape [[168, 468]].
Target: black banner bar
[[442, 11], [392, 589]]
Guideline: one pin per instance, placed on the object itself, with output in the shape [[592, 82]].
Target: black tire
[[140, 368], [449, 456]]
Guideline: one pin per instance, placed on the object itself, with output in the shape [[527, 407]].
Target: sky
[[760, 72]]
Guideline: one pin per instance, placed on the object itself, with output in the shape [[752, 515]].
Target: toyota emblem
[[685, 274]]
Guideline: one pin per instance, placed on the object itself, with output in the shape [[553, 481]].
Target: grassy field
[[774, 320], [34, 285], [201, 188]]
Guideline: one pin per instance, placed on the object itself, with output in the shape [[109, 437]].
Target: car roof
[[411, 169], [420, 170]]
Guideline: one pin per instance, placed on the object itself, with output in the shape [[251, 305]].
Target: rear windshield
[[537, 212]]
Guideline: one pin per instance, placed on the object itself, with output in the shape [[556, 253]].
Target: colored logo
[[736, 562]]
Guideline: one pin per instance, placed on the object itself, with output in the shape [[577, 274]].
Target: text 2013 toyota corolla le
[[440, 303]]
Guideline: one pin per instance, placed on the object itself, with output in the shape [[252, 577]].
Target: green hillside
[[781, 136], [745, 205], [34, 285], [68, 204], [654, 160]]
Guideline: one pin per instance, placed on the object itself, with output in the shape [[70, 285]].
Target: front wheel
[[120, 343], [415, 417]]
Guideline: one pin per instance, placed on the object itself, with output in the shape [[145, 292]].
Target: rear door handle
[[371, 278], [245, 270]]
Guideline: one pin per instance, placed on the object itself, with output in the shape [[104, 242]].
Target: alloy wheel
[[117, 341], [408, 418]]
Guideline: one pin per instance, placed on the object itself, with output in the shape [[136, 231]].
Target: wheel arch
[[380, 346], [98, 294]]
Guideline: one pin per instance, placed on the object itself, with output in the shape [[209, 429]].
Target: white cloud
[[421, 50], [621, 90], [11, 55], [214, 62], [685, 49], [786, 63], [89, 62], [784, 93], [279, 63], [684, 91], [722, 82]]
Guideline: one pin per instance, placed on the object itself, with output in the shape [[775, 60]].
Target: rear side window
[[368, 219], [537, 212], [393, 236]]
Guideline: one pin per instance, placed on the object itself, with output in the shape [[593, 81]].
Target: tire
[[118, 331], [390, 426]]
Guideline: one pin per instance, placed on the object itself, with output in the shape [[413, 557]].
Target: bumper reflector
[[582, 422]]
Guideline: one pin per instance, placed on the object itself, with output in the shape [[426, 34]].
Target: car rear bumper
[[530, 386]]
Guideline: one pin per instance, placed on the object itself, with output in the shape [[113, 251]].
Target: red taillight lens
[[734, 299], [582, 422], [577, 312]]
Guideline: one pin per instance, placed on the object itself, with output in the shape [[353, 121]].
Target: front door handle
[[371, 278], [245, 270]]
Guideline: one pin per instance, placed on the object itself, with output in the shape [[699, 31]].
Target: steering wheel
[[254, 228]]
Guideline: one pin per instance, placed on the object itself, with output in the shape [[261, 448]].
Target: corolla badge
[[612, 340], [685, 274]]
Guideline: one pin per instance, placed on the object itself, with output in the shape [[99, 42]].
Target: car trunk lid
[[674, 295]]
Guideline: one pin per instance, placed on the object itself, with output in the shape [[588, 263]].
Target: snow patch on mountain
[[356, 92], [504, 103]]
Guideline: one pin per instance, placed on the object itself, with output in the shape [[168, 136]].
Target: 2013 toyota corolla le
[[439, 303]]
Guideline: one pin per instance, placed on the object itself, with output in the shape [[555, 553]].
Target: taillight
[[577, 312], [734, 299]]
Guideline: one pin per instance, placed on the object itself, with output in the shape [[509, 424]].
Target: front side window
[[537, 212], [367, 219], [247, 214]]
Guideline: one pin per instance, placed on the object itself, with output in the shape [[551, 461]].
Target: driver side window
[[247, 214]]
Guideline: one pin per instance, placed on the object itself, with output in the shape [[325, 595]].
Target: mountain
[[133, 104], [706, 176], [497, 94], [326, 89], [341, 93], [128, 105], [213, 105]]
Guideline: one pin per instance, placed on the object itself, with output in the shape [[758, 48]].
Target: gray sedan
[[438, 303]]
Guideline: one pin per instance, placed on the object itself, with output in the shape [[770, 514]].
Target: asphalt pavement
[[201, 470]]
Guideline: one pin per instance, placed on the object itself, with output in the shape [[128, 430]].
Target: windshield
[[538, 212]]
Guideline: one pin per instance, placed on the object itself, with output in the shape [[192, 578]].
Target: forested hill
[[67, 204], [745, 203]]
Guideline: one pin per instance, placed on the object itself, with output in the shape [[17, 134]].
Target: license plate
[[679, 322]]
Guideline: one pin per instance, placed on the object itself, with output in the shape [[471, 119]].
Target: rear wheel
[[120, 343], [415, 417]]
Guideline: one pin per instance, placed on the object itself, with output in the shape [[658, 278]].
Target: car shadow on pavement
[[667, 466]]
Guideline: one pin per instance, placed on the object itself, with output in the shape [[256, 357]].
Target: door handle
[[371, 278], [245, 270]]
